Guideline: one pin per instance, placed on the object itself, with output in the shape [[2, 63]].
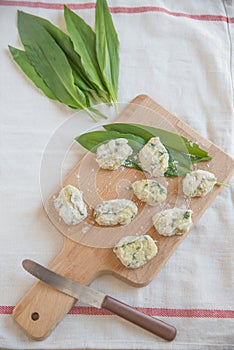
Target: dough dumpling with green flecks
[[172, 222], [149, 191], [113, 154], [154, 157], [70, 205], [135, 251], [114, 212], [198, 183]]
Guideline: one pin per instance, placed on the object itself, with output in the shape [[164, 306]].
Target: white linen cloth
[[181, 54]]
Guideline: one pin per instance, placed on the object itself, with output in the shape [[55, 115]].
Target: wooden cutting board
[[88, 248]]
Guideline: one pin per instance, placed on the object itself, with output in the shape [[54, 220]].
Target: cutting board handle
[[43, 307]]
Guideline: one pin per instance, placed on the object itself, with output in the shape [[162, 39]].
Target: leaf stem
[[97, 112], [87, 110], [222, 184]]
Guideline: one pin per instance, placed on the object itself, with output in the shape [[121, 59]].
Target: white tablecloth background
[[179, 53]]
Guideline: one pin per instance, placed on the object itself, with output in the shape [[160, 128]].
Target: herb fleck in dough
[[113, 154], [149, 191], [114, 212], [198, 183], [174, 221], [70, 205], [154, 157], [135, 251]]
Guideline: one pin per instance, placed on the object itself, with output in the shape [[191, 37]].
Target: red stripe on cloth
[[142, 9], [139, 9], [6, 310], [48, 5], [163, 312], [191, 313]]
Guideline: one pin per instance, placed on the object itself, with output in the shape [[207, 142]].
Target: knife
[[100, 300]]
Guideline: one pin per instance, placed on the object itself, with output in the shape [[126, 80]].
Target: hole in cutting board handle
[[35, 316]]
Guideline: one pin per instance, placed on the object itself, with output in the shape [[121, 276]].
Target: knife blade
[[100, 300]]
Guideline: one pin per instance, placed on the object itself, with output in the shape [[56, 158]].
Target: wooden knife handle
[[151, 324]]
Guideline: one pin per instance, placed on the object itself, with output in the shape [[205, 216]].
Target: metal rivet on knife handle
[[151, 324]]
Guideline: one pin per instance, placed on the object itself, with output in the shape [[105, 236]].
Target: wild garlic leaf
[[107, 48], [65, 43], [81, 79], [169, 139], [178, 142], [179, 163], [83, 39], [180, 160], [21, 59], [91, 140], [176, 170], [49, 61]]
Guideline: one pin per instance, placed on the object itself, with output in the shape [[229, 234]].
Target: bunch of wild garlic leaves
[[78, 69]]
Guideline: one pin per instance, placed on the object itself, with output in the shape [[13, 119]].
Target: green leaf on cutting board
[[91, 140], [169, 139], [181, 157], [22, 60], [83, 39], [179, 163], [179, 143], [107, 48]]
